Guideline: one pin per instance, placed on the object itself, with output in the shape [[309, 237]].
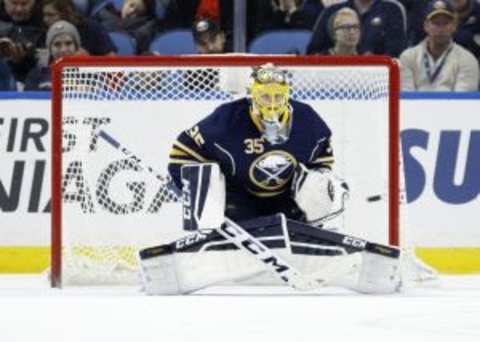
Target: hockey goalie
[[257, 186]]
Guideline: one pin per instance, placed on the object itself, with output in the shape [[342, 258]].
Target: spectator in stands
[[468, 30], [183, 13], [95, 39], [208, 36], [63, 39], [468, 27], [7, 81], [437, 63], [283, 14], [415, 10], [136, 17], [383, 27], [345, 32], [209, 39], [20, 31]]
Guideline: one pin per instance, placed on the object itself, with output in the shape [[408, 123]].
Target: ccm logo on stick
[[190, 240], [354, 242]]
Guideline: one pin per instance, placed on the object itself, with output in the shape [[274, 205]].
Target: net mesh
[[202, 84], [96, 246]]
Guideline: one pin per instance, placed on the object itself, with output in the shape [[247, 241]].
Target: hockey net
[[109, 113]]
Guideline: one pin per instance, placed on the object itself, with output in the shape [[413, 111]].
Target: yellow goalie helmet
[[270, 92]]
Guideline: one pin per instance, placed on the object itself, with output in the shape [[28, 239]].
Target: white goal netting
[[111, 116]]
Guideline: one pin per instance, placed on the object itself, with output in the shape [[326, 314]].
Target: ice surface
[[31, 311]]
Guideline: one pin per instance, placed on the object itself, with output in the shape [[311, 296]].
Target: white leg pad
[[182, 273], [371, 274], [379, 274], [159, 275]]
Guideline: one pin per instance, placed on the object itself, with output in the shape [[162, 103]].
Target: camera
[[25, 37]]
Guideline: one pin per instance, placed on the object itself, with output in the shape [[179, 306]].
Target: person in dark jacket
[[136, 17], [383, 27], [7, 81], [20, 32]]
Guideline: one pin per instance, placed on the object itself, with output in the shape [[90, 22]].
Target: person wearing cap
[[208, 36], [62, 40], [345, 32], [468, 24], [209, 39], [383, 27], [438, 63]]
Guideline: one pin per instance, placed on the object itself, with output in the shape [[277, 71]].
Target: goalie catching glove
[[319, 194]]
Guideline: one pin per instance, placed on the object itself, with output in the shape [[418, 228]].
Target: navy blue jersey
[[253, 167], [383, 29]]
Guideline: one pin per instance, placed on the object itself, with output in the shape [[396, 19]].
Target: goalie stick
[[115, 143], [236, 234], [284, 271]]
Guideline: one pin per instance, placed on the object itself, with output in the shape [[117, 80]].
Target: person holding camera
[[20, 30]]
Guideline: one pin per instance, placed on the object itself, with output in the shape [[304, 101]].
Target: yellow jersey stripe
[[189, 151], [324, 159], [175, 152], [324, 163], [266, 193], [182, 161]]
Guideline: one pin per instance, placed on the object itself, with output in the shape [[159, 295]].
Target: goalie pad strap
[[351, 243]]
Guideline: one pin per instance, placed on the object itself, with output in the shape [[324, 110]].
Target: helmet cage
[[270, 92]]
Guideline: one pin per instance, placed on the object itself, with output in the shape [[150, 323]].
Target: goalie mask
[[270, 108]]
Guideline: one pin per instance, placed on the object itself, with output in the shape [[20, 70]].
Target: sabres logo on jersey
[[271, 171]]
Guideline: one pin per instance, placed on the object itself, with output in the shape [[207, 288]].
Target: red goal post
[[94, 92]]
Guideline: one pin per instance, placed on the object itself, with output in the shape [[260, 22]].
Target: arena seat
[[99, 5], [118, 4], [125, 44], [174, 42], [281, 42]]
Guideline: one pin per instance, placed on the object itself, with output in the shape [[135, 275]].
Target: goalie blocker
[[203, 196]]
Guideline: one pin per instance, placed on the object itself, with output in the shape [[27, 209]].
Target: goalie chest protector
[[250, 163]]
